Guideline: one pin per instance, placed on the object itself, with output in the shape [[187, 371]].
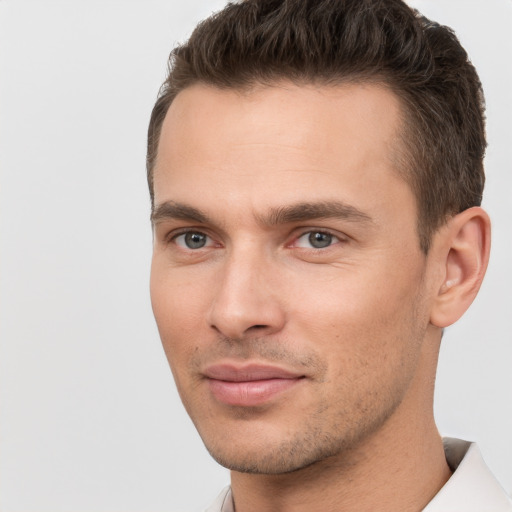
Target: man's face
[[287, 281]]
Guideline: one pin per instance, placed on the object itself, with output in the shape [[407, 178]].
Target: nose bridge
[[244, 300]]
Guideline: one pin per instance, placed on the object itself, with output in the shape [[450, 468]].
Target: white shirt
[[471, 488]]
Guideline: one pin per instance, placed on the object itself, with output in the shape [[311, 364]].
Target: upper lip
[[248, 372]]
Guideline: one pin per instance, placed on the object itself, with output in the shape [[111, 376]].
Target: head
[[315, 169]]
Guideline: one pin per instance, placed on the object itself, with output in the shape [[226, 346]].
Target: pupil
[[320, 240], [195, 240]]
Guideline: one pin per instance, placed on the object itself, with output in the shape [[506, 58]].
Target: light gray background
[[90, 420]]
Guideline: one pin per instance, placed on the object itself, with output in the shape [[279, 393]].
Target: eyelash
[[333, 239], [172, 237]]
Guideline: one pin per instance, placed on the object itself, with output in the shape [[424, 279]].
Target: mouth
[[249, 385]]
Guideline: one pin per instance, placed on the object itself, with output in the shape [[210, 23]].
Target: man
[[315, 170]]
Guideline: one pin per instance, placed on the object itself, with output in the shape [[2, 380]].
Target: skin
[[255, 176]]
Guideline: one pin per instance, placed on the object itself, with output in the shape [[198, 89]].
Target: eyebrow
[[172, 210], [322, 210], [299, 212]]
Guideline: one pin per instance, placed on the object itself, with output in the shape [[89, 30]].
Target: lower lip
[[250, 393]]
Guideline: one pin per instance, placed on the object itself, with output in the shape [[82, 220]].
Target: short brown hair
[[330, 42]]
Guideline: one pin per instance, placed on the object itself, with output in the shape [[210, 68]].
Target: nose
[[247, 301]]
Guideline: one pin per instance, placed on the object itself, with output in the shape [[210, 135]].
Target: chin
[[263, 464], [272, 457]]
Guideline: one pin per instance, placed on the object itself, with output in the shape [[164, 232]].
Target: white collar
[[472, 487]]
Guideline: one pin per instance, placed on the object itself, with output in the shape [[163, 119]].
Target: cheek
[[371, 344], [369, 317], [178, 307], [176, 294]]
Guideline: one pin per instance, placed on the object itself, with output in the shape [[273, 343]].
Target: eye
[[192, 240], [316, 239]]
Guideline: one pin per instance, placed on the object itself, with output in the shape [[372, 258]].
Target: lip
[[249, 385]]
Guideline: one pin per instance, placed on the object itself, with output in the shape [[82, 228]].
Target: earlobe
[[464, 246]]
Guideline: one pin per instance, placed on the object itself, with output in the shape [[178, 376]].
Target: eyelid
[[336, 235], [172, 235], [183, 245]]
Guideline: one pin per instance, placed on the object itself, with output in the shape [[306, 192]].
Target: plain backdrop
[[90, 420]]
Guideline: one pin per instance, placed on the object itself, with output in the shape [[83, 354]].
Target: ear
[[463, 247]]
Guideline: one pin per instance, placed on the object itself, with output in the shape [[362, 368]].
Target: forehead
[[282, 142]]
